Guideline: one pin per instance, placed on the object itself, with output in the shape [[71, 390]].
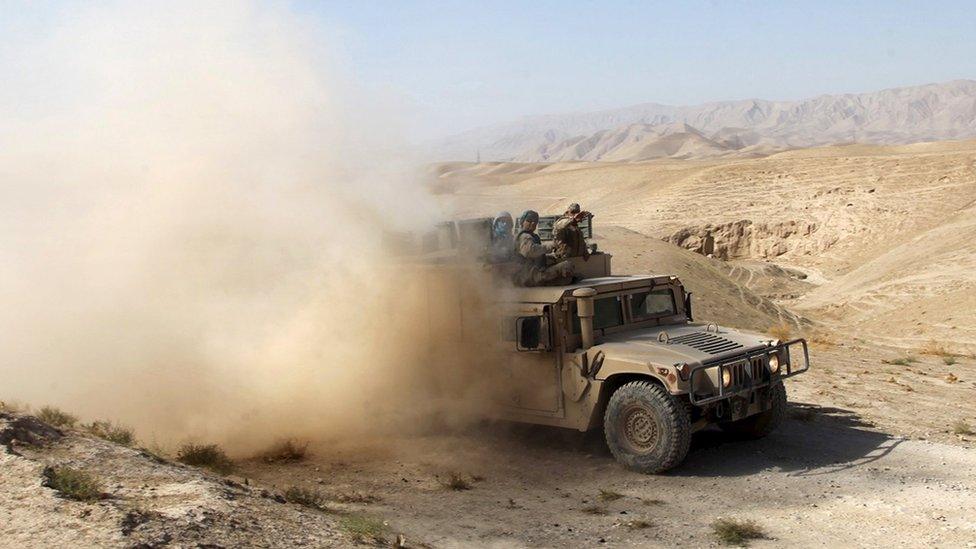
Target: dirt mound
[[717, 297], [144, 501]]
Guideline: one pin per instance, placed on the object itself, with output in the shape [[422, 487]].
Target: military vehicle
[[623, 352]]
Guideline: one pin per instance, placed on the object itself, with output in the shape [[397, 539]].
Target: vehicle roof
[[603, 284]]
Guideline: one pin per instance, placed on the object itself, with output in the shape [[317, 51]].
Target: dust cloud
[[191, 212]]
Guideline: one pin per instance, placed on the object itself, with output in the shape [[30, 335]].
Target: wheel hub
[[640, 429]]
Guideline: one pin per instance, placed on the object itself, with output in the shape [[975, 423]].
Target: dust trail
[[190, 226]]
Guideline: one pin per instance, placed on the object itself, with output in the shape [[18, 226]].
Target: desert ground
[[867, 251]]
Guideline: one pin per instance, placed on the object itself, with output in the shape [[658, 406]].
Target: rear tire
[[646, 428], [763, 423]]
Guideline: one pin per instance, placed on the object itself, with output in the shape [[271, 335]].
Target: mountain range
[[931, 112]]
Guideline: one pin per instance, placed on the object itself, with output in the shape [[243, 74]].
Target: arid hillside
[[872, 241]]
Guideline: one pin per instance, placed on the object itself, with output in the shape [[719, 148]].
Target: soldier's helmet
[[502, 224], [573, 208], [531, 216]]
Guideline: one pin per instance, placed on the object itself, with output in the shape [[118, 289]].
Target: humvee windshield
[[652, 304], [608, 312]]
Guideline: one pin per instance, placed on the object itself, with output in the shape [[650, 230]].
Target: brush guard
[[749, 372]]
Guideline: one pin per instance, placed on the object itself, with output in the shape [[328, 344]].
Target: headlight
[[726, 377], [774, 363]]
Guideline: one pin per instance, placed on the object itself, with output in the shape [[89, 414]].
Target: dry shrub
[[960, 427], [286, 451], [457, 482], [210, 456], [595, 510], [821, 340], [948, 360], [637, 524], [781, 331], [56, 417], [72, 483], [737, 532], [306, 497], [609, 495], [364, 529], [111, 432], [353, 497], [935, 348]]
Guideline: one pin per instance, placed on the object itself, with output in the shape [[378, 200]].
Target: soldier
[[502, 240], [567, 238], [532, 254]]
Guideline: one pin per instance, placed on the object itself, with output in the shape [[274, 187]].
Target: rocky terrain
[[867, 251], [875, 242], [894, 116]]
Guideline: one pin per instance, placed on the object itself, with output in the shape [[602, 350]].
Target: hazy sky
[[455, 65], [443, 67]]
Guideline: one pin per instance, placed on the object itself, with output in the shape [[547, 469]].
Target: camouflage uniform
[[531, 253], [567, 239]]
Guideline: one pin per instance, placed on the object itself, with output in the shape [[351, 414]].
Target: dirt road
[[826, 482]]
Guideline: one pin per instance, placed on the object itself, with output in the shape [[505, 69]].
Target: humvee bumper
[[746, 372]]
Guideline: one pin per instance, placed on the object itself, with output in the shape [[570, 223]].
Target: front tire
[[647, 429], [763, 423]]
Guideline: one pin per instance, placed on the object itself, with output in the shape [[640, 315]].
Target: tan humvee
[[621, 352]]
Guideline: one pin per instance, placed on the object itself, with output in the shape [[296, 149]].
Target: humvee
[[623, 353]]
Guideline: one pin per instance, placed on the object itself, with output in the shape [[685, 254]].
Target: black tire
[[763, 423], [646, 428]]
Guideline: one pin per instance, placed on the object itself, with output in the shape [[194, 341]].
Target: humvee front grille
[[708, 343]]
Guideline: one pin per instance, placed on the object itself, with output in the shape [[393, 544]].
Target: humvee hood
[[690, 343]]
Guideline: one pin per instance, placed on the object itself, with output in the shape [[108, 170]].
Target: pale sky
[[456, 65], [444, 67]]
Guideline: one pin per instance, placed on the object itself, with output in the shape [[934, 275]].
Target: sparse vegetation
[[457, 482], [111, 432], [306, 497], [948, 360], [609, 495], [356, 498], [737, 532], [595, 510], [364, 529], [637, 524], [904, 361], [56, 417], [73, 483], [653, 501], [781, 331], [935, 348], [210, 456], [821, 341], [960, 427], [289, 450]]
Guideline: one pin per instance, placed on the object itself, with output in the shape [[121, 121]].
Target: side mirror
[[688, 306], [532, 333]]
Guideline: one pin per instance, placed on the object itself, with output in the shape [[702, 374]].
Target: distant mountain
[[630, 143], [901, 115]]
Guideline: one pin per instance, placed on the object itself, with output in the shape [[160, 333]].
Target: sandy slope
[[886, 232]]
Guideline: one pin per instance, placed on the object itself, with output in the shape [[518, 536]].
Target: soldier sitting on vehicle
[[533, 256], [502, 241], [567, 238]]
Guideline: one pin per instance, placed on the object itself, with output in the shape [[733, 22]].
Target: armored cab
[[617, 352]]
